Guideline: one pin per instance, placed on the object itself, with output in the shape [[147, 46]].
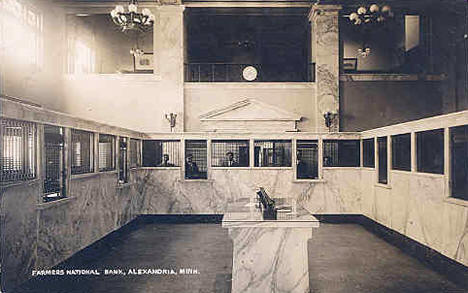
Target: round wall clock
[[249, 73]]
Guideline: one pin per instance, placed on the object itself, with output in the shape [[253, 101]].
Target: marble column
[[325, 54], [269, 259], [169, 59]]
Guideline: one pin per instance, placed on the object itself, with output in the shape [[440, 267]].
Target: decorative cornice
[[318, 9], [391, 77], [282, 114], [170, 8], [250, 4], [26, 111]]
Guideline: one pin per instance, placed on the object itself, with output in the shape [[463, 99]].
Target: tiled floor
[[342, 258]]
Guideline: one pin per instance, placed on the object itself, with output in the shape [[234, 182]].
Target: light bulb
[[113, 13], [119, 9], [146, 12], [362, 10], [353, 16], [132, 8], [374, 8]]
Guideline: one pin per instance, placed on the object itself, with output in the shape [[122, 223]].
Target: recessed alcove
[[221, 42], [97, 46]]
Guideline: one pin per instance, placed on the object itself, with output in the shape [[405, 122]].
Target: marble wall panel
[[59, 234], [313, 198], [367, 192], [18, 232], [455, 232], [461, 253], [400, 183], [339, 193], [130, 201], [97, 205], [158, 188], [169, 42], [426, 195], [326, 49], [169, 60], [166, 193], [417, 206], [350, 195], [382, 202]]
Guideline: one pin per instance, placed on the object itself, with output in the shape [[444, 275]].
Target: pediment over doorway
[[250, 115]]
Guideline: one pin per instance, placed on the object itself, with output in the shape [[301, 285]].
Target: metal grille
[[401, 152], [307, 159], [223, 150], [330, 153], [55, 172], [106, 152], [82, 151], [430, 151], [123, 165], [134, 152], [161, 153], [272, 153], [233, 72], [368, 153], [198, 151], [382, 156], [18, 151], [341, 153], [459, 164]]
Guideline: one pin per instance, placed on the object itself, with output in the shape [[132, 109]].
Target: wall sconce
[[329, 118], [171, 117]]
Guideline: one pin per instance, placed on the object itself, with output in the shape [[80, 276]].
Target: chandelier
[[373, 15], [132, 20], [368, 19]]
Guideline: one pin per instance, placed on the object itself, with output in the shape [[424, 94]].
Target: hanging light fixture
[[364, 51], [132, 20], [372, 15], [137, 52], [368, 19]]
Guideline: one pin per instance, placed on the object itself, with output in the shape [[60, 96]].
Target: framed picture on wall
[[143, 63], [349, 64]]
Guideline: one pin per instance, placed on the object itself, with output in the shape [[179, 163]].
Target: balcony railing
[[233, 72]]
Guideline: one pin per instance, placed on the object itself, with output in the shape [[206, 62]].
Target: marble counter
[[300, 219], [269, 255]]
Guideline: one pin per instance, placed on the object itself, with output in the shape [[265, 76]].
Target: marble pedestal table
[[270, 255]]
